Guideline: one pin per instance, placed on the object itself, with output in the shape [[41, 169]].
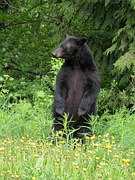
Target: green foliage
[[126, 62], [25, 117], [26, 35], [114, 98], [24, 138], [121, 125], [55, 67], [12, 92], [30, 30]]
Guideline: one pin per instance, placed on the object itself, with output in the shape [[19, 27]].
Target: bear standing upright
[[77, 86]]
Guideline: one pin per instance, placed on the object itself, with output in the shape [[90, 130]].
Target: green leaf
[[40, 94], [106, 2]]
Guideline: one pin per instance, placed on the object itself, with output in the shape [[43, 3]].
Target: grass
[[99, 158], [26, 151]]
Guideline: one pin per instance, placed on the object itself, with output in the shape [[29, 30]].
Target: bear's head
[[70, 48]]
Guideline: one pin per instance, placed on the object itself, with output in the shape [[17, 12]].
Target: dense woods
[[30, 30]]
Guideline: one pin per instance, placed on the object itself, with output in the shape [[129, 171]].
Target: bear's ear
[[67, 35], [81, 41]]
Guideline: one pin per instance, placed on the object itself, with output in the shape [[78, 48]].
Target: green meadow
[[27, 151]]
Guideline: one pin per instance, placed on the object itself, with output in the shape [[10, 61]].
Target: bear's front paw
[[82, 111], [60, 110]]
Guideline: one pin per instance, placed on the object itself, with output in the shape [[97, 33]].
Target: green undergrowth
[[27, 152], [100, 158], [26, 149]]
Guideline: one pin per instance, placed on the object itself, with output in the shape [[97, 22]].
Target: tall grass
[[23, 118], [26, 151]]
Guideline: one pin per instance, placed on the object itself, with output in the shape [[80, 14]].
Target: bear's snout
[[57, 53], [54, 54]]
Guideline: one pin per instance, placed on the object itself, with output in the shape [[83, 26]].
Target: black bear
[[77, 86]]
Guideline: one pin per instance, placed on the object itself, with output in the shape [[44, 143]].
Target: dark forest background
[[30, 30]]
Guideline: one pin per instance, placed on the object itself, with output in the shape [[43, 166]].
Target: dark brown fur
[[77, 86]]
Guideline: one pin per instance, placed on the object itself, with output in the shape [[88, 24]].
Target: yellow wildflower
[[127, 164], [99, 136], [133, 174], [33, 144], [21, 140], [17, 147], [57, 160], [99, 175], [17, 176], [95, 144], [41, 144], [9, 172], [75, 164], [97, 158], [77, 154], [50, 144], [91, 152], [108, 146], [90, 158], [68, 157], [10, 158], [99, 166], [61, 142], [107, 141], [84, 169], [60, 132], [9, 141], [106, 135], [5, 141], [58, 146], [127, 154], [126, 160], [109, 150], [2, 148], [87, 138], [103, 164], [84, 154], [78, 144], [36, 155], [93, 137], [57, 150], [116, 156]]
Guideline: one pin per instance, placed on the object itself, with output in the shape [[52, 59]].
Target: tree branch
[[4, 26]]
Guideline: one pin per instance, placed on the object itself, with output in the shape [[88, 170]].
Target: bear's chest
[[75, 84], [76, 80]]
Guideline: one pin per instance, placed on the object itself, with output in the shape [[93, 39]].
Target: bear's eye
[[72, 50], [75, 50], [63, 48]]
